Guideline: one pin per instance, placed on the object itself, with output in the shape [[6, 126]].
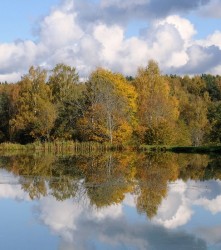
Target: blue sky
[[184, 37], [18, 18]]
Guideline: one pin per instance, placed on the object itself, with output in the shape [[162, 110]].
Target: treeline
[[151, 108]]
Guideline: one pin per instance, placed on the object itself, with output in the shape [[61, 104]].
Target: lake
[[112, 200]]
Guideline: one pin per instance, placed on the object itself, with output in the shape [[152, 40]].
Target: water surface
[[110, 201]]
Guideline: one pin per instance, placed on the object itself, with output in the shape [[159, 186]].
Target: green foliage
[[214, 116], [213, 86], [5, 116], [67, 99]]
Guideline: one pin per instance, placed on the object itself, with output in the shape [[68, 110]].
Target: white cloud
[[214, 205], [11, 187], [212, 39], [111, 39], [66, 36], [182, 25], [16, 56], [59, 29], [10, 77]]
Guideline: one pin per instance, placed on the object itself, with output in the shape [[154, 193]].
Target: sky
[[184, 37]]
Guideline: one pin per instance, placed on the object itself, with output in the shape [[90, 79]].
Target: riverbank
[[182, 149], [75, 146]]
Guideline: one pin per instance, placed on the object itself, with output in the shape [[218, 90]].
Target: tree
[[110, 108], [67, 95], [35, 114], [192, 125], [213, 86], [63, 81], [5, 115], [195, 109], [157, 108], [214, 116]]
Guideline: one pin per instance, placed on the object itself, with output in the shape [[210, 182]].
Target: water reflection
[[92, 201]]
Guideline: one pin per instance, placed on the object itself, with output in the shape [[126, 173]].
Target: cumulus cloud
[[59, 29], [201, 60], [85, 35], [14, 57], [183, 26]]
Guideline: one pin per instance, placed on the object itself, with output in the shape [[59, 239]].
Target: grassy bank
[[87, 147], [182, 149]]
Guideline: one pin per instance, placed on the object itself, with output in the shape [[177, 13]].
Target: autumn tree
[[35, 114], [110, 108], [157, 108]]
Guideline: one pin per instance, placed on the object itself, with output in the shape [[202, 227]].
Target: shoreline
[[75, 146]]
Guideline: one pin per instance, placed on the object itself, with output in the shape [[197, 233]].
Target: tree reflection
[[193, 166], [109, 178], [153, 173], [106, 178]]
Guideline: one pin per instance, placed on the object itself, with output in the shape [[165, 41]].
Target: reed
[[60, 147]]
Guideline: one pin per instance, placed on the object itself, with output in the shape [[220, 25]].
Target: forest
[[150, 108]]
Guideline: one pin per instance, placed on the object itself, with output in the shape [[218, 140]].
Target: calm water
[[111, 201]]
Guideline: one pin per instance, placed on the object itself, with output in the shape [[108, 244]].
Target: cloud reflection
[[11, 187], [82, 226], [177, 209]]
